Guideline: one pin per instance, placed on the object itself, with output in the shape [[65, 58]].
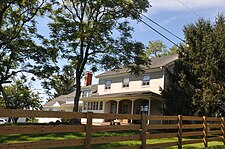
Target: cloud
[[176, 5], [169, 20]]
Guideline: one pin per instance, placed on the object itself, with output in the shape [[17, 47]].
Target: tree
[[18, 51], [201, 72], [83, 31], [177, 92], [158, 48], [62, 83], [20, 97]]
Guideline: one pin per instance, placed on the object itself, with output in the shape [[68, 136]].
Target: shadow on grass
[[37, 137]]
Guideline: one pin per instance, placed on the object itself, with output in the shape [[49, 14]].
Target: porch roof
[[128, 95]]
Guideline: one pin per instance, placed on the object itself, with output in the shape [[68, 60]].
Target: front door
[[113, 107]]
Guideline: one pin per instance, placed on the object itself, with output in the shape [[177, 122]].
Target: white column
[[132, 110], [117, 107], [132, 107], [149, 108], [103, 106]]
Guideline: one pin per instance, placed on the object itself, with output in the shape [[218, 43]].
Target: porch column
[[132, 110], [103, 106], [117, 107], [149, 108], [132, 107]]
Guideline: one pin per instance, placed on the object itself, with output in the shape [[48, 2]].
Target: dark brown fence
[[150, 127]]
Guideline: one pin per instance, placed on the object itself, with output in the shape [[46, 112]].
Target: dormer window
[[86, 93], [108, 84], [146, 80], [126, 82]]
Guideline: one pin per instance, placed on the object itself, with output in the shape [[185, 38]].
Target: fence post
[[205, 131], [88, 130], [179, 134], [144, 130], [223, 129]]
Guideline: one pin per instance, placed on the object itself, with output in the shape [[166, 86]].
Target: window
[[113, 107], [126, 81], [86, 93], [146, 80], [108, 84], [85, 106], [98, 105]]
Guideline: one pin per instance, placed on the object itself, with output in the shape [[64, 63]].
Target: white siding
[[156, 81]]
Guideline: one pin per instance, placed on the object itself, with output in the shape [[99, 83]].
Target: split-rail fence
[[207, 128]]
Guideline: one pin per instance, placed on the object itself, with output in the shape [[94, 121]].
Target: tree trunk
[[78, 92], [5, 97], [76, 121]]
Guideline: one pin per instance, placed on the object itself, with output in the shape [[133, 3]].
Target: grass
[[61, 136]]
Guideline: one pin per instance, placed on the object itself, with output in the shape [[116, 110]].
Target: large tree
[[20, 97], [95, 32], [158, 48], [60, 83], [201, 73], [19, 53]]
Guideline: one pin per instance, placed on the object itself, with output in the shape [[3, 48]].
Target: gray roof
[[92, 87], [62, 99], [124, 94], [155, 63]]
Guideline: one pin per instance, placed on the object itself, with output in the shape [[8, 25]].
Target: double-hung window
[[86, 93], [146, 79], [108, 84], [126, 81]]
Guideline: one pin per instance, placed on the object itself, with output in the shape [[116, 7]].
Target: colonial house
[[120, 92]]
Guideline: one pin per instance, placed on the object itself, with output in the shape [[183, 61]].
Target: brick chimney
[[88, 78]]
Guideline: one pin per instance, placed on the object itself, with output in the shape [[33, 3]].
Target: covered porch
[[124, 103], [149, 106]]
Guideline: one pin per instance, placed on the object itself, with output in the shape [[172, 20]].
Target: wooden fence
[[208, 128]]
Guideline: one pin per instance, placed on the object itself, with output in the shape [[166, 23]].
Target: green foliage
[[83, 31], [20, 97], [158, 49], [62, 83], [200, 74], [18, 51]]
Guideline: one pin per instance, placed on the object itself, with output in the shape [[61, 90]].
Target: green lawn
[[60, 136]]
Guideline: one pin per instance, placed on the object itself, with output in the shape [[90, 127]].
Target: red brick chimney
[[88, 78]]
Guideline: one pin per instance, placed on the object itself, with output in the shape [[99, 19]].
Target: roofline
[[119, 73]]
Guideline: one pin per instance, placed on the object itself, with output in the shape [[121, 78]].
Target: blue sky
[[171, 14]]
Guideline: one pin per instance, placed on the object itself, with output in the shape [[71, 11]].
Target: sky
[[171, 14]]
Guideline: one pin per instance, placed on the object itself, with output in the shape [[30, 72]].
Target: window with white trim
[[108, 84], [146, 80], [126, 81], [100, 105], [86, 93], [97, 105]]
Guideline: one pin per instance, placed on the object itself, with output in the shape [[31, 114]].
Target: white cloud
[[176, 5], [169, 20]]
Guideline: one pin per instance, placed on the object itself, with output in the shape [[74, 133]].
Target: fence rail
[[209, 128]]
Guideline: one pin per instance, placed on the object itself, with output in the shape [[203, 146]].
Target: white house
[[122, 93]]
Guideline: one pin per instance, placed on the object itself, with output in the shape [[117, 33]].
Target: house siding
[[156, 81]]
